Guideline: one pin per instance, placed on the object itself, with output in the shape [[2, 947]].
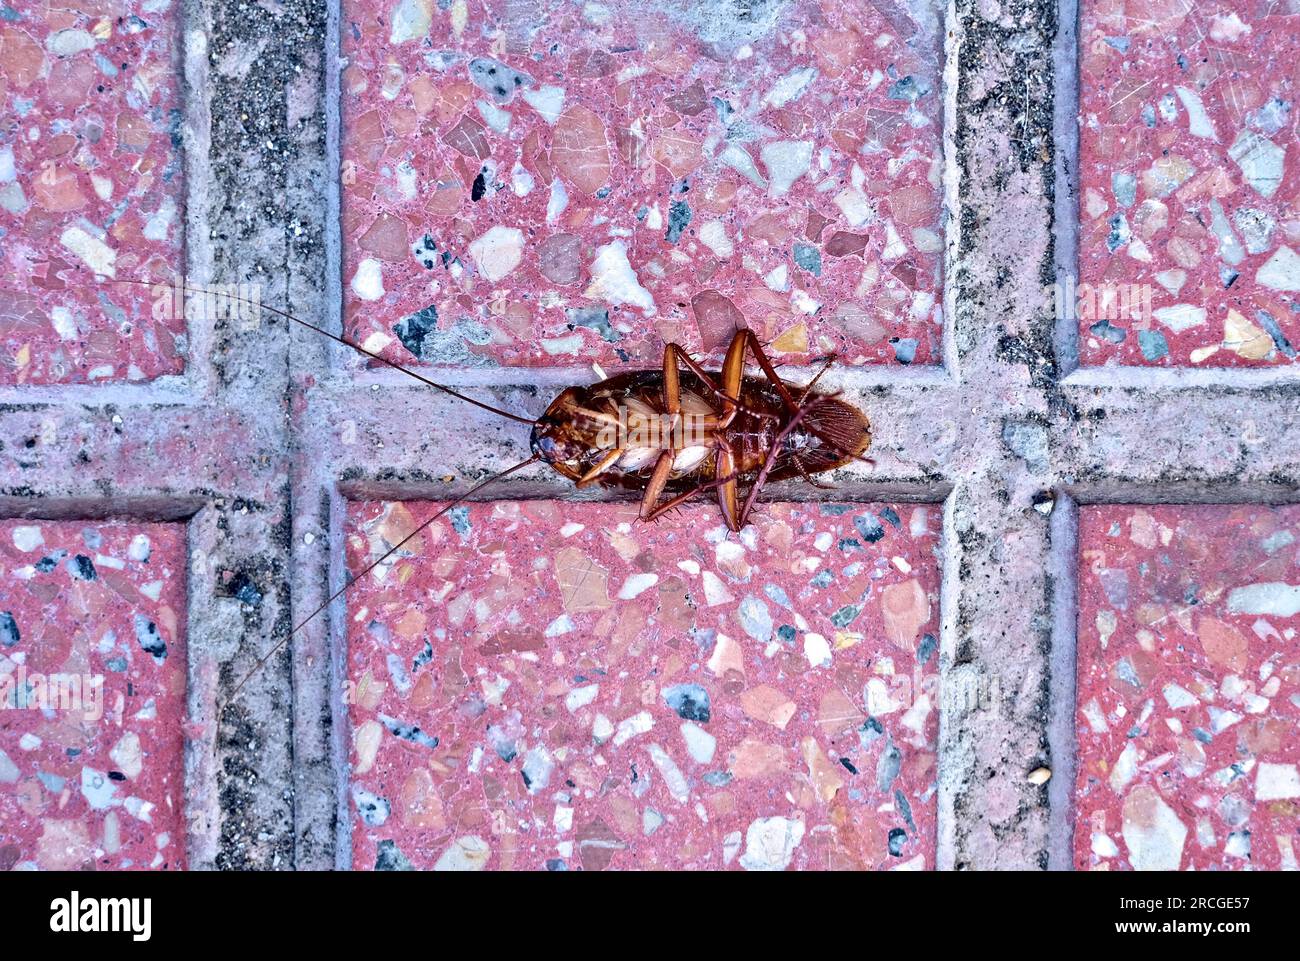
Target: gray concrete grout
[[1064, 574], [202, 807], [1065, 129], [337, 572]]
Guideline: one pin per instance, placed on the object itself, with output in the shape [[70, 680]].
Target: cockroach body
[[676, 434]]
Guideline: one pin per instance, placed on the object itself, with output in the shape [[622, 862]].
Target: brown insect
[[669, 433], [665, 432]]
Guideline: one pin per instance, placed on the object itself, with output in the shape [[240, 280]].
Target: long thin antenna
[[261, 661], [337, 339]]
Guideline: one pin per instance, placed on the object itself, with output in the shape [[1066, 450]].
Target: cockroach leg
[[803, 395], [672, 384], [733, 365], [654, 487], [680, 499], [730, 400], [778, 443], [748, 337], [803, 472], [728, 490], [602, 465]]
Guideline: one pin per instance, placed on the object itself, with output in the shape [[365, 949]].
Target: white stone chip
[[817, 649], [558, 201], [770, 843], [700, 744], [97, 255], [636, 585], [629, 728], [469, 853], [498, 252], [64, 43], [1199, 124], [1276, 782], [28, 538], [1260, 160], [547, 101], [1281, 271], [790, 87], [9, 772], [614, 281], [1181, 317], [368, 281], [672, 774], [1269, 598], [1152, 831], [580, 697], [411, 20], [786, 161], [714, 236]]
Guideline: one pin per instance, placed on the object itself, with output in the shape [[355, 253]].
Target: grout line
[[946, 817], [864, 377], [171, 390], [336, 565], [159, 509], [1065, 131], [337, 637], [1149, 380], [553, 487], [333, 238], [1175, 494], [202, 802], [199, 376], [1063, 569], [951, 197]]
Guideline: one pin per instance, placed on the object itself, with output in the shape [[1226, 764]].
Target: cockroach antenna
[[339, 340], [261, 661]]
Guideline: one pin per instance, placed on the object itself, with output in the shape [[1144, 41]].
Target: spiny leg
[[724, 466], [672, 385], [683, 497], [750, 339], [654, 487], [730, 398], [602, 465], [777, 443], [813, 383], [803, 472]]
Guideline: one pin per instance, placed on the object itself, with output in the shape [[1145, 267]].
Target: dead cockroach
[[669, 433], [680, 434]]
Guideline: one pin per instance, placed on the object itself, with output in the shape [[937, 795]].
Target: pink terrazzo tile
[[1189, 688], [90, 184], [91, 762], [1188, 164], [533, 184], [549, 685]]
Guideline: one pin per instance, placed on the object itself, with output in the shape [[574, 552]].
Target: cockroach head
[[557, 438], [552, 442]]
